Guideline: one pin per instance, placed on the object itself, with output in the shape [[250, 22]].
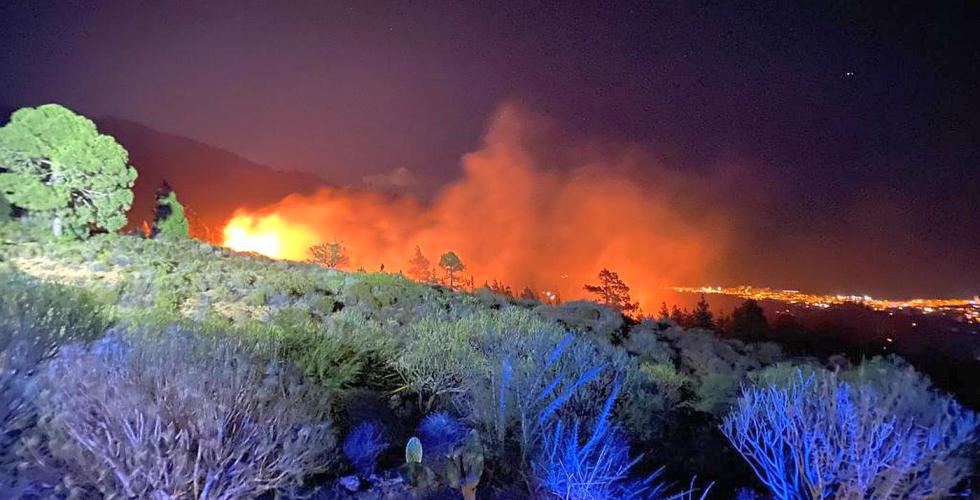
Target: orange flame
[[268, 235], [512, 219]]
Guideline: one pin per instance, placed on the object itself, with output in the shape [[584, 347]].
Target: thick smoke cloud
[[531, 208]]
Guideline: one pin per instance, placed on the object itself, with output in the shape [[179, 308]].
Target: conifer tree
[[613, 292], [56, 166], [169, 218], [749, 322], [451, 263], [528, 294], [421, 268], [702, 316], [682, 318]]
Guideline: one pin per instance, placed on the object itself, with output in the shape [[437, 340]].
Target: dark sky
[[859, 121]]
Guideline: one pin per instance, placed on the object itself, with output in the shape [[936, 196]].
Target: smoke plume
[[531, 208]]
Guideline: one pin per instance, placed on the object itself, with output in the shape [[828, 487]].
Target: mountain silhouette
[[210, 182]]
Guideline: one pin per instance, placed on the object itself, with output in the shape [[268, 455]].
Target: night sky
[[848, 132]]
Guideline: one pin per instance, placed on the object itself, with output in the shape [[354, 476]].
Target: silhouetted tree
[[168, 215], [528, 294], [664, 313], [332, 255], [451, 263], [613, 292], [749, 322], [500, 289], [702, 317], [682, 318], [421, 268]]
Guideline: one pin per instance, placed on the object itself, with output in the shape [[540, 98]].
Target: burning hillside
[[512, 217]]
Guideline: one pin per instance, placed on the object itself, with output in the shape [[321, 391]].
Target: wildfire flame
[[268, 235], [512, 218]]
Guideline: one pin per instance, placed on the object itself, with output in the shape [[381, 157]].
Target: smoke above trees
[[531, 208]]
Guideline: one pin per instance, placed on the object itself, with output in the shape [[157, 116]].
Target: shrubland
[[135, 367], [130, 332]]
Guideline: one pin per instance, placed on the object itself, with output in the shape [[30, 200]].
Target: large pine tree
[[57, 167]]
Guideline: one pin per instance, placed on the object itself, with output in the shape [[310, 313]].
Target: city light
[[968, 309]]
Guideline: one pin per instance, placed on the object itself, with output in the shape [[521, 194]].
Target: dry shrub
[[178, 417]]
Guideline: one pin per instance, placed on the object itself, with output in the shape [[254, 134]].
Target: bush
[[334, 354], [36, 319], [586, 317], [440, 431], [178, 417], [597, 467], [644, 343], [566, 467], [820, 436], [363, 445], [433, 363], [715, 367], [48, 315]]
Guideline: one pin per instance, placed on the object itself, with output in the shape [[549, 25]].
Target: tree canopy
[[55, 165], [702, 317], [332, 255], [749, 322], [169, 218], [451, 263], [613, 292], [421, 268]]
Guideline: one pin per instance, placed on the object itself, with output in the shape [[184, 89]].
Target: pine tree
[[528, 294], [55, 165], [682, 318], [749, 322], [332, 255], [702, 317], [500, 289], [450, 263], [613, 292], [169, 218], [421, 268], [664, 313]]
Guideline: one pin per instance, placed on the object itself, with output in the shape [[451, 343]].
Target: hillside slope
[[380, 349], [209, 181]]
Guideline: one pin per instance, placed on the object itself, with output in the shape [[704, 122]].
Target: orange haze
[[529, 210]]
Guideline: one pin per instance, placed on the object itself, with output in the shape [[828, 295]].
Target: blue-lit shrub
[[440, 432], [545, 383], [820, 437], [363, 445], [567, 467], [573, 466]]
